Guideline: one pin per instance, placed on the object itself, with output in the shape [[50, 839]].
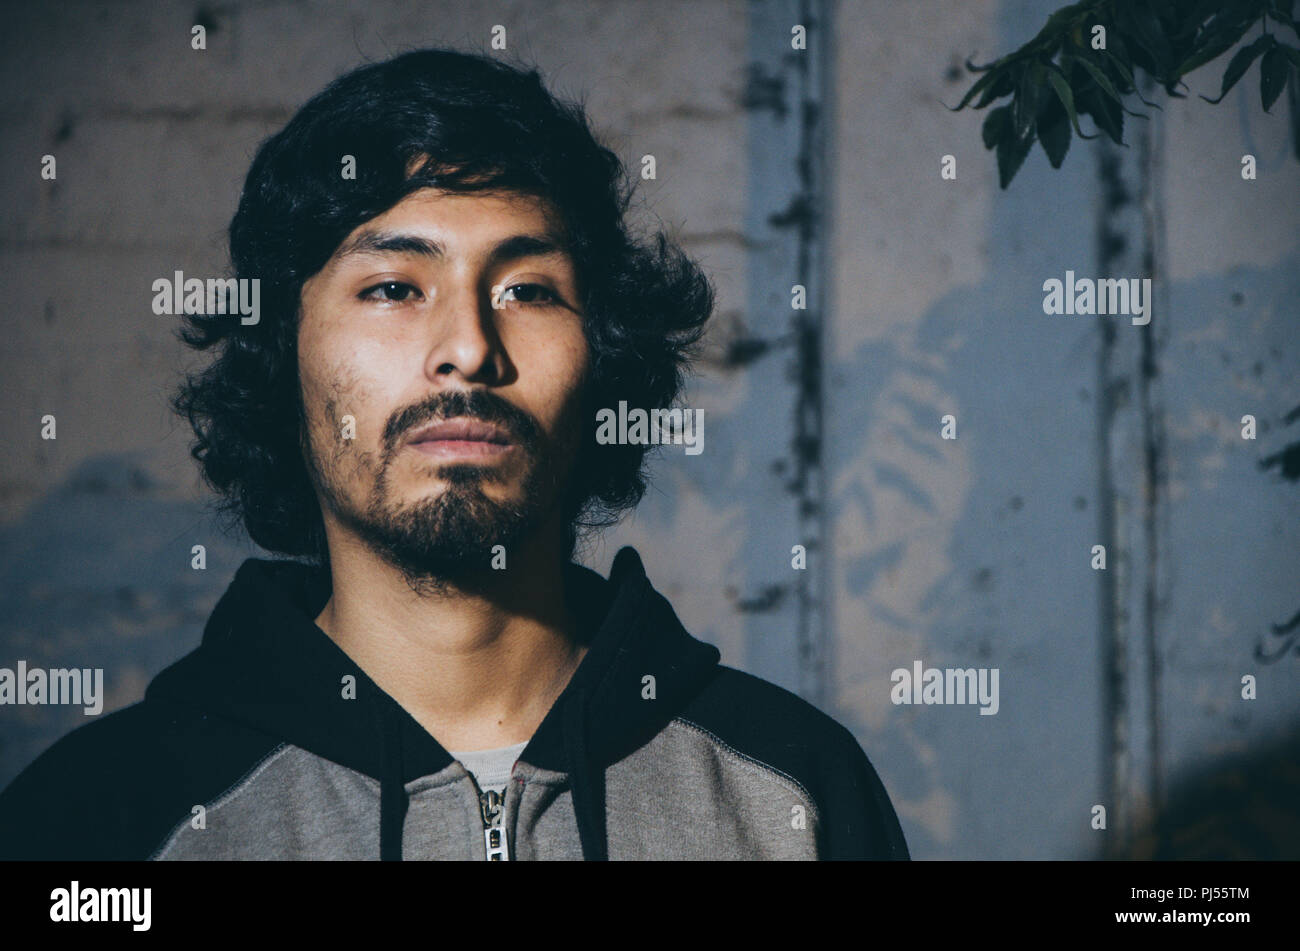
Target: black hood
[[265, 664]]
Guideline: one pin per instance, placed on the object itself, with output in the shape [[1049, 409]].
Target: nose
[[463, 338]]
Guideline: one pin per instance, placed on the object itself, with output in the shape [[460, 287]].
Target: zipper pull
[[491, 805]]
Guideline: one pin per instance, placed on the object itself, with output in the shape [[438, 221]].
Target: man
[[449, 295]]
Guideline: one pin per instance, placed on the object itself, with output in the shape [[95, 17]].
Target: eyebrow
[[394, 242]]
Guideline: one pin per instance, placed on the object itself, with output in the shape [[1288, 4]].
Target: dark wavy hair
[[455, 121]]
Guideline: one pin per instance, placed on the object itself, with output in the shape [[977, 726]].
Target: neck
[[477, 663]]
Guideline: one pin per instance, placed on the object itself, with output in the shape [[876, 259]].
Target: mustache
[[475, 404]]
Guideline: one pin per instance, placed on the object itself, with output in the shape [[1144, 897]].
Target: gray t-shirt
[[491, 768]]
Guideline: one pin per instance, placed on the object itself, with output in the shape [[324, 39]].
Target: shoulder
[[115, 787], [781, 731]]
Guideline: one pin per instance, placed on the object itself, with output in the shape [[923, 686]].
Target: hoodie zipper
[[492, 808]]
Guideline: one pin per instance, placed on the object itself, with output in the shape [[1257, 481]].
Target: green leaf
[[1127, 74], [1066, 97], [1273, 69], [1004, 85], [1057, 26], [1103, 81], [1293, 99], [1011, 155], [980, 84], [1125, 84], [1025, 105], [1145, 29], [986, 67], [996, 126], [1054, 130], [1216, 47], [1115, 46], [1239, 63], [1105, 112], [1291, 53], [1284, 14]]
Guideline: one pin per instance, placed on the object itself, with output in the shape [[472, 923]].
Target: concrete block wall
[[965, 553]]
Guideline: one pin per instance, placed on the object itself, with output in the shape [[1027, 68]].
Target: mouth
[[461, 437]]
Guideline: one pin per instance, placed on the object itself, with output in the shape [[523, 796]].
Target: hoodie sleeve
[[858, 819], [115, 788], [66, 805], [782, 732]]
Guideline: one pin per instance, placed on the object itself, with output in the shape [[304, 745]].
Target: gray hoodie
[[269, 742]]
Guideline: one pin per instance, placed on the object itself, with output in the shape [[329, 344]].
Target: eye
[[394, 291], [538, 294]]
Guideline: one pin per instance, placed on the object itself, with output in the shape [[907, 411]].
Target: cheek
[[336, 397], [324, 378], [340, 377], [561, 370], [562, 358], [341, 409]]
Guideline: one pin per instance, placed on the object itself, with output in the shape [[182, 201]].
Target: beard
[[452, 537]]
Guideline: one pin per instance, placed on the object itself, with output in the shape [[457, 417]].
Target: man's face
[[441, 356]]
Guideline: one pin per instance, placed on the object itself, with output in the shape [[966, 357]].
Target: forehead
[[464, 219]]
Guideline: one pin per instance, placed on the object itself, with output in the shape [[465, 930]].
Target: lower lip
[[470, 448]]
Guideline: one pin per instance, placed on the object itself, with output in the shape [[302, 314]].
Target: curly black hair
[[460, 122]]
